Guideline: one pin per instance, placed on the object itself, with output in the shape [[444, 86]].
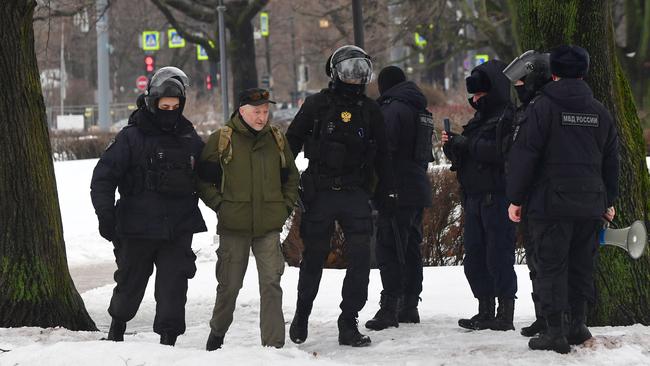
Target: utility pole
[[103, 86], [357, 21], [224, 66], [294, 95]]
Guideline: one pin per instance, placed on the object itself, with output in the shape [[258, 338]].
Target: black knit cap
[[569, 61], [477, 82], [389, 76]]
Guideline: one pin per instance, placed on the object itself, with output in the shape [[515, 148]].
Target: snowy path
[[436, 341]]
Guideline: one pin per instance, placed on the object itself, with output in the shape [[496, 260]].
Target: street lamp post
[[357, 21], [224, 67]]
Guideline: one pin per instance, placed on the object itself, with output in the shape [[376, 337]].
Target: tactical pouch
[[576, 197], [423, 150], [333, 155], [170, 172]]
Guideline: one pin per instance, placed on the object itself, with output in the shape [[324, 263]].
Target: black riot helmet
[[533, 68], [168, 81], [351, 65]]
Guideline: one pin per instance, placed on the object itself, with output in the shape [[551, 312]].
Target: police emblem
[[346, 116]]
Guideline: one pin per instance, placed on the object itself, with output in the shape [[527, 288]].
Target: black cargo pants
[[400, 279], [174, 262], [565, 254], [351, 209]]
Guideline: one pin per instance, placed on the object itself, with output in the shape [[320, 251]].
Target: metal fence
[[119, 113]]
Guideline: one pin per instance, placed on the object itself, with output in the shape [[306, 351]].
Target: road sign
[[150, 40], [480, 59], [264, 24], [141, 82], [174, 39], [201, 53], [419, 40]]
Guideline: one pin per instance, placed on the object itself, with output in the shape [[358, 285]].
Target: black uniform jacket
[[565, 161], [481, 166], [141, 212], [400, 105], [345, 119]]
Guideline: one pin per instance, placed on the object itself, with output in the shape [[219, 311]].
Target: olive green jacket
[[253, 201]]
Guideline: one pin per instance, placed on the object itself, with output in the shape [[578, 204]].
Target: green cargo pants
[[232, 261]]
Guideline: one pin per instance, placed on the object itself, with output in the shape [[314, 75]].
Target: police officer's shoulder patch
[[580, 119], [110, 144]]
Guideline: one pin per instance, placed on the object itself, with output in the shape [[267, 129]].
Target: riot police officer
[[529, 73], [564, 164], [343, 134], [409, 129], [151, 162], [489, 237]]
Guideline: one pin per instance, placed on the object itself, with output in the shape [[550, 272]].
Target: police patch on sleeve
[[110, 143], [580, 119]]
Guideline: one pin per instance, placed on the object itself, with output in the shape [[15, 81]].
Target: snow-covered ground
[[436, 341]]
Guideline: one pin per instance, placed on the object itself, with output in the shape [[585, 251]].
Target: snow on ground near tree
[[436, 341]]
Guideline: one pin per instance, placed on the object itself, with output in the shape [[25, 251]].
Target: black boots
[[505, 313], [408, 309], [116, 332], [214, 342], [387, 314], [168, 339], [538, 326], [349, 333], [578, 332], [483, 319], [553, 339], [298, 328]]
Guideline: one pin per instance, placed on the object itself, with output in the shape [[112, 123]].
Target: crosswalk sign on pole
[[480, 59], [201, 53], [150, 40], [174, 40], [264, 24], [419, 40]]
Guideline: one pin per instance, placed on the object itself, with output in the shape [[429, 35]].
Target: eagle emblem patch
[[346, 116]]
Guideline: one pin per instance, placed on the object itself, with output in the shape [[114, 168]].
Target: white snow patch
[[436, 341]]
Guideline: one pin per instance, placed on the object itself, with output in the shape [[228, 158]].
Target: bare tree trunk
[[623, 285], [35, 285]]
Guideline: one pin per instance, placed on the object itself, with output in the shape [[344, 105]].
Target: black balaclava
[[167, 120], [389, 76], [347, 90]]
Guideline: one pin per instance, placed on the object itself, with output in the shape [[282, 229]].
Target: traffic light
[[149, 63], [208, 82]]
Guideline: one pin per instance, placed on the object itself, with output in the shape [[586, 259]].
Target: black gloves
[[458, 143], [107, 226]]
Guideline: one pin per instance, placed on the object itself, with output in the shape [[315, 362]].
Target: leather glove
[[458, 143], [107, 226]]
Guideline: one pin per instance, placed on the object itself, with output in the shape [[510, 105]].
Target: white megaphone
[[632, 239]]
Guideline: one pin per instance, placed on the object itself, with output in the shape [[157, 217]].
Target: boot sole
[[377, 328], [365, 344]]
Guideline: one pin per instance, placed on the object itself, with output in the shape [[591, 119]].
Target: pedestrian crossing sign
[[174, 39], [201, 53], [150, 40]]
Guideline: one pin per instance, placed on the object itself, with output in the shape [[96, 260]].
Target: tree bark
[[622, 284], [35, 285]]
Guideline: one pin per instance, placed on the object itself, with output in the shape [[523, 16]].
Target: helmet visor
[[524, 65], [169, 72], [354, 71]]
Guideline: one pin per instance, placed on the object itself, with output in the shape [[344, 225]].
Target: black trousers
[[174, 262], [351, 209], [531, 259], [398, 279], [489, 246], [565, 254]]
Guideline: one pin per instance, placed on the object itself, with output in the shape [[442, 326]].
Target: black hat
[[389, 76], [477, 82], [569, 61], [254, 96]]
